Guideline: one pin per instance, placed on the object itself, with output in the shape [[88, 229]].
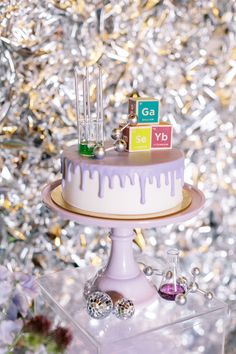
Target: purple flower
[[5, 292], [4, 350], [6, 285], [20, 300], [8, 331], [12, 312], [28, 284]]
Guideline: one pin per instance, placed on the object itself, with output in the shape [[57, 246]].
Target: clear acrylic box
[[163, 327]]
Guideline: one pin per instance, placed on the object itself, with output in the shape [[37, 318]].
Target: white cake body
[[120, 200], [125, 184]]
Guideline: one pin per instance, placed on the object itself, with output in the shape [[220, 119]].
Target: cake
[[139, 174], [123, 184]]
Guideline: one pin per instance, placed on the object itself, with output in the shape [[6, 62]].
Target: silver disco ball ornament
[[99, 305], [124, 309]]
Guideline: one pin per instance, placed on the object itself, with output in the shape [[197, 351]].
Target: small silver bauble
[[148, 270], [132, 119], [124, 309], [180, 299], [195, 271], [209, 295], [182, 280], [193, 287], [116, 133], [120, 145], [99, 305], [99, 152]]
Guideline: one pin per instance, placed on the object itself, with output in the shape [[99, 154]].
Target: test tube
[[89, 129], [100, 112]]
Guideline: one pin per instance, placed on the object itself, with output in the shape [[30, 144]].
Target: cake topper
[[89, 125], [141, 132]]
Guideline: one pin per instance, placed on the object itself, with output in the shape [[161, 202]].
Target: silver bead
[[182, 280], [132, 119], [193, 287], [209, 295], [148, 271], [120, 145], [124, 309], [116, 133], [195, 271], [99, 305], [180, 299], [99, 152], [169, 274]]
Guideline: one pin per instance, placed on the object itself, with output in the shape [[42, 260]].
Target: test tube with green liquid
[[90, 128], [83, 117]]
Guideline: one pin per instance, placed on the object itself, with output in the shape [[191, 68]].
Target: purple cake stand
[[122, 273]]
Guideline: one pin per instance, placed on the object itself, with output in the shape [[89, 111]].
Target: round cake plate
[[193, 209], [122, 273]]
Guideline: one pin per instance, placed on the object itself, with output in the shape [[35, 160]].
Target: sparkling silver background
[[183, 52]]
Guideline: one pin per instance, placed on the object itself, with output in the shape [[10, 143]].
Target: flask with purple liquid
[[170, 286]]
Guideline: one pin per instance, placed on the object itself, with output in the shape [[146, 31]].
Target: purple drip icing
[[142, 182], [172, 183], [167, 178], [158, 181], [111, 182], [180, 175], [151, 179], [122, 181], [82, 174], [101, 186], [132, 179], [171, 170]]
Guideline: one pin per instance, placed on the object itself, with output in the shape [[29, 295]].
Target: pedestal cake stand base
[[122, 273]]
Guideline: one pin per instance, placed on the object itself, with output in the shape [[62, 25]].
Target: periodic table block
[[162, 136], [138, 138], [146, 109]]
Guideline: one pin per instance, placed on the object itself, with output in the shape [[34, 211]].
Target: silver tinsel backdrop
[[181, 51]]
